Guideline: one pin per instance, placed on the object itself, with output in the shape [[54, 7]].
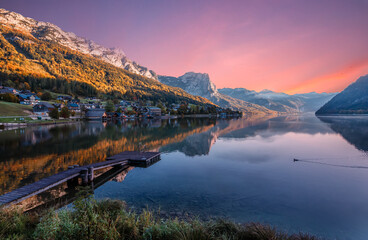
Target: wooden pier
[[74, 173]]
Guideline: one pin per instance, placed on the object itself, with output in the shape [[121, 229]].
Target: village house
[[73, 107], [154, 111], [59, 106], [64, 98], [4, 90], [28, 99], [42, 108], [95, 114]]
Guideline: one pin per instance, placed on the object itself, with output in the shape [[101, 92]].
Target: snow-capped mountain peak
[[51, 32]]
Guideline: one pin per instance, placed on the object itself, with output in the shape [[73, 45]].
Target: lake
[[241, 169]]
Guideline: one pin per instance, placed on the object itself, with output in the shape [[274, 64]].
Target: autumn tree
[[9, 97], [65, 113], [27, 86], [110, 107]]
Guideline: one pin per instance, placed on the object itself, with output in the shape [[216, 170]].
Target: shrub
[[65, 112], [16, 225], [110, 106], [46, 96], [9, 97], [54, 113]]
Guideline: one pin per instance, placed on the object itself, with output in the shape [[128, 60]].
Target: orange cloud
[[334, 81]]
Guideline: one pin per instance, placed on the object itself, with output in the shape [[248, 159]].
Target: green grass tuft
[[110, 219]]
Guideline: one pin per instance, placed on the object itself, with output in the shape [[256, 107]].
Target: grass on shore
[[14, 109], [15, 120], [110, 219]]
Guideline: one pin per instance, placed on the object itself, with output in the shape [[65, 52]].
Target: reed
[[111, 219]]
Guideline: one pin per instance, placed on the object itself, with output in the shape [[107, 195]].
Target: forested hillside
[[26, 60], [353, 100]]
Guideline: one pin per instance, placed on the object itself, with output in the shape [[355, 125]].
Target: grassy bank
[[30, 121], [110, 219], [14, 109]]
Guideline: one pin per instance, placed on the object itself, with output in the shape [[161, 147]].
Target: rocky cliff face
[[193, 83], [51, 32]]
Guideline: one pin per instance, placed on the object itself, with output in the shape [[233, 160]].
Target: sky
[[292, 46]]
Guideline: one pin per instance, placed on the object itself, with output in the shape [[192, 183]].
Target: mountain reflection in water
[[30, 154], [353, 129]]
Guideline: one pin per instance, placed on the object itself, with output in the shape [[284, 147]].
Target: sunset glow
[[290, 46]]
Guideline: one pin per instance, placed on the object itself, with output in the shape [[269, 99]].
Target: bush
[[46, 96], [16, 225], [54, 113], [9, 97], [65, 112], [110, 107]]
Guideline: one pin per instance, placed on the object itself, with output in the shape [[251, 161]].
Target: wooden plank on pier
[[38, 187], [109, 163], [124, 158], [138, 158]]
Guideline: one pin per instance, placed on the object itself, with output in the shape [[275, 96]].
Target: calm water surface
[[242, 169]]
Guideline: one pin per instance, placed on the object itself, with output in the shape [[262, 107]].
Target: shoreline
[[6, 126]]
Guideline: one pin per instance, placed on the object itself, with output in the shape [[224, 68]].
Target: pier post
[[84, 176], [71, 183], [90, 174]]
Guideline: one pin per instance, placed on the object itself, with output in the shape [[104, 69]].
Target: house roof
[[92, 113], [27, 96], [4, 90], [73, 105], [46, 104]]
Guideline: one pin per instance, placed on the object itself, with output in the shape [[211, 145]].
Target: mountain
[[313, 101], [274, 101], [281, 102], [40, 56], [352, 100], [51, 32], [199, 84], [194, 83]]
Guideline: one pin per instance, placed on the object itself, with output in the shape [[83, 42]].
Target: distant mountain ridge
[[48, 31], [240, 98], [352, 100], [199, 84], [281, 102]]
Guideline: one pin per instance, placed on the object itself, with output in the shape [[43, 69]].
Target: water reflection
[[353, 129], [64, 194], [27, 155], [237, 168]]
